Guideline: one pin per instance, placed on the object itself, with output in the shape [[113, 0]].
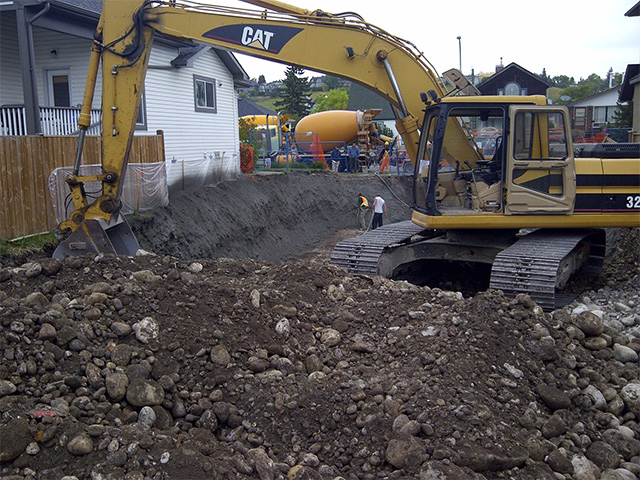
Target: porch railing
[[53, 120]]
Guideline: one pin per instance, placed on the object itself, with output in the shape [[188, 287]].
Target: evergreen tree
[[295, 99], [623, 116]]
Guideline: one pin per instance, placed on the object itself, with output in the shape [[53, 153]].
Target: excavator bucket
[[94, 236]]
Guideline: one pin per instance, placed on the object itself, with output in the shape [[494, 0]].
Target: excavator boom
[[342, 45]]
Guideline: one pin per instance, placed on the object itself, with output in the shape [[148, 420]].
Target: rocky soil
[[160, 367]]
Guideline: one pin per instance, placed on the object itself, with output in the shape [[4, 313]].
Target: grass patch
[[28, 245]]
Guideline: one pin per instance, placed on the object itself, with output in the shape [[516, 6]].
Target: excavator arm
[[342, 45]]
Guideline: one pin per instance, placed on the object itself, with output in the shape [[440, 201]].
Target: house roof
[[89, 11], [88, 6], [631, 81], [247, 107], [633, 11], [497, 78], [361, 98], [587, 100]]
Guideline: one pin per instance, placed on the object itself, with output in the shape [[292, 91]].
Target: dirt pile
[[266, 217], [159, 368]]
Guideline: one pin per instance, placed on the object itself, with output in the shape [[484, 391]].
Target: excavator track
[[362, 254], [535, 262]]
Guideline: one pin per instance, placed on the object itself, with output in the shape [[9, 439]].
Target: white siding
[[603, 99], [191, 135], [10, 73], [72, 55]]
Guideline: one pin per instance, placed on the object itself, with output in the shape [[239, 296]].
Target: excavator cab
[[449, 178], [519, 162]]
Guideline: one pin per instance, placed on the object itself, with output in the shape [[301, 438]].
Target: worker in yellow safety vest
[[362, 201]]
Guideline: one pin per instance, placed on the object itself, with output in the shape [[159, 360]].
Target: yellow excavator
[[472, 202]]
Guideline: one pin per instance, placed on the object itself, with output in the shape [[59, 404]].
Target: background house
[[247, 107], [190, 92], [591, 114], [513, 80], [630, 91]]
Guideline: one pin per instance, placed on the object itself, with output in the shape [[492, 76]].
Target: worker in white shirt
[[379, 208]]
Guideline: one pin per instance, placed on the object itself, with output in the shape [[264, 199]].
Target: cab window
[[540, 136]]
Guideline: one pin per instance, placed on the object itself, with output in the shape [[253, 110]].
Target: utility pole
[[460, 51]]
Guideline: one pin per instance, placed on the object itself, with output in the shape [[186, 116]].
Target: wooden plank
[[26, 163]]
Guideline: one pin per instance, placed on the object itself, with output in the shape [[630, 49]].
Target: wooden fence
[[26, 163]]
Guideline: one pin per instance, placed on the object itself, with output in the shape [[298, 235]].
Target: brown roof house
[[513, 80]]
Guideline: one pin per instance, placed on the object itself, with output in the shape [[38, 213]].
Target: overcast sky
[[573, 38]]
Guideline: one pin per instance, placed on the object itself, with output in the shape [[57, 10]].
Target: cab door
[[540, 174]]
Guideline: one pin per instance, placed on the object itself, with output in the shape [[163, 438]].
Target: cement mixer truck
[[531, 195]]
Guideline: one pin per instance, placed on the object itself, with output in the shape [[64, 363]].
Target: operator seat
[[492, 170], [495, 165]]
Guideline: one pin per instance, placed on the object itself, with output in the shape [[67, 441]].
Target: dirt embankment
[[267, 217]]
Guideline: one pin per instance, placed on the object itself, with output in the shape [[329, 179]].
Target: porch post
[[28, 67]]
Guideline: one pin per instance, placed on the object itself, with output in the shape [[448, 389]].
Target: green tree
[[623, 116], [330, 83], [261, 80], [384, 130], [295, 99], [585, 88], [562, 81], [244, 128], [332, 100]]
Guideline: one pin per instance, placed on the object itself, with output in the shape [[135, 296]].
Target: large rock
[[553, 397], [14, 439], [559, 462], [220, 355], [405, 452], [80, 445], [624, 354], [481, 459], [630, 394], [603, 455], [142, 393], [146, 330], [116, 384], [627, 447], [7, 388], [590, 323]]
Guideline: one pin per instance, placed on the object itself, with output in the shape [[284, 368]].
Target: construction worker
[[353, 154], [384, 154], [362, 201], [379, 208], [336, 157]]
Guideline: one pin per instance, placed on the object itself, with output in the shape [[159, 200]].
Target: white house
[[594, 112], [44, 54]]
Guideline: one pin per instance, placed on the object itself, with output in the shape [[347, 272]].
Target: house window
[[58, 88], [603, 115], [205, 94], [600, 115], [512, 88], [581, 117], [141, 121]]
